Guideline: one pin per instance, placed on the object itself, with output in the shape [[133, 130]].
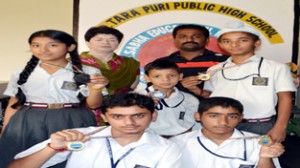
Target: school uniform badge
[[69, 86], [181, 115], [260, 81]]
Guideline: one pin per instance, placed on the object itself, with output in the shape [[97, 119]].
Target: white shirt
[[173, 120], [150, 151], [259, 101], [194, 155], [41, 87]]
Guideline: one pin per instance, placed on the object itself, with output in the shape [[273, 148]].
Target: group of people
[[180, 119]]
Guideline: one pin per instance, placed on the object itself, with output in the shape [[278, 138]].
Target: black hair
[[93, 31], [32, 63], [191, 26], [160, 64], [224, 102], [127, 100]]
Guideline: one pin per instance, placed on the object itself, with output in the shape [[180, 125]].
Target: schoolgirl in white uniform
[[45, 98]]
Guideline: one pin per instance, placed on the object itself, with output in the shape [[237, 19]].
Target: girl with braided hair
[[49, 95]]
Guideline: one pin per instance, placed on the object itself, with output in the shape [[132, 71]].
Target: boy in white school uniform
[[124, 144], [219, 144], [176, 108], [259, 83]]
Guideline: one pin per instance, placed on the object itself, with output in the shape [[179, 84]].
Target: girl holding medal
[[49, 95]]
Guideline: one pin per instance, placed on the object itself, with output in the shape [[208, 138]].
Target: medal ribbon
[[258, 73], [114, 165]]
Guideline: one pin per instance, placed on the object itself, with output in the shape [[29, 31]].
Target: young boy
[[219, 144], [124, 144], [260, 84], [176, 109]]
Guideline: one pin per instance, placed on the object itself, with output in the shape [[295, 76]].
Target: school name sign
[[148, 25], [260, 24]]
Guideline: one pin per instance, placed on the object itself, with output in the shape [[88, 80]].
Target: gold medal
[[264, 140], [203, 76]]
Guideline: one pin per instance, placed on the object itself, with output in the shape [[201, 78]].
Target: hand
[[98, 81], [277, 134], [191, 82], [271, 150], [62, 138]]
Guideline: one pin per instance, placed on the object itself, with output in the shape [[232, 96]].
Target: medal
[[158, 94], [264, 140], [203, 76], [75, 146], [84, 90], [82, 78]]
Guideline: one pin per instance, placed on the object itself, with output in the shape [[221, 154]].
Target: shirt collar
[[145, 138], [254, 58], [236, 134]]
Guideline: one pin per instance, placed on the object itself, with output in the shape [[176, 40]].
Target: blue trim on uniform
[[226, 157]]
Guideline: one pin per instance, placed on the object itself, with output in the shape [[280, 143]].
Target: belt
[[260, 120], [51, 106]]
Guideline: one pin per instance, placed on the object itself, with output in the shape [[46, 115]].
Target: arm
[[277, 133], [59, 140], [9, 111], [267, 152], [95, 98], [35, 160], [135, 83]]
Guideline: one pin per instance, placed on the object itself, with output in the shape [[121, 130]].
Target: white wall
[[20, 18]]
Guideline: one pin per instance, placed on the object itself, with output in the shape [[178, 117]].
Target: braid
[[31, 64], [76, 63]]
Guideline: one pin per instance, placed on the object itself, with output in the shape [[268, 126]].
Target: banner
[[147, 25]]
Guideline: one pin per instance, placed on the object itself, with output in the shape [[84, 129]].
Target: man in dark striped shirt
[[192, 56]]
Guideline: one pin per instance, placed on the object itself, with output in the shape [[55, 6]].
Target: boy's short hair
[[93, 31], [190, 26], [224, 102], [127, 100], [161, 64]]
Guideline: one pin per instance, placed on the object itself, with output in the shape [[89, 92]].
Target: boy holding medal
[[260, 84], [123, 144], [176, 108], [219, 144]]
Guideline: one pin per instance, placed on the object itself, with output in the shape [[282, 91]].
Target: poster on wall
[[147, 25]]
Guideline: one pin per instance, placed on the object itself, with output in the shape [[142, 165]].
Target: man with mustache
[[192, 56]]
